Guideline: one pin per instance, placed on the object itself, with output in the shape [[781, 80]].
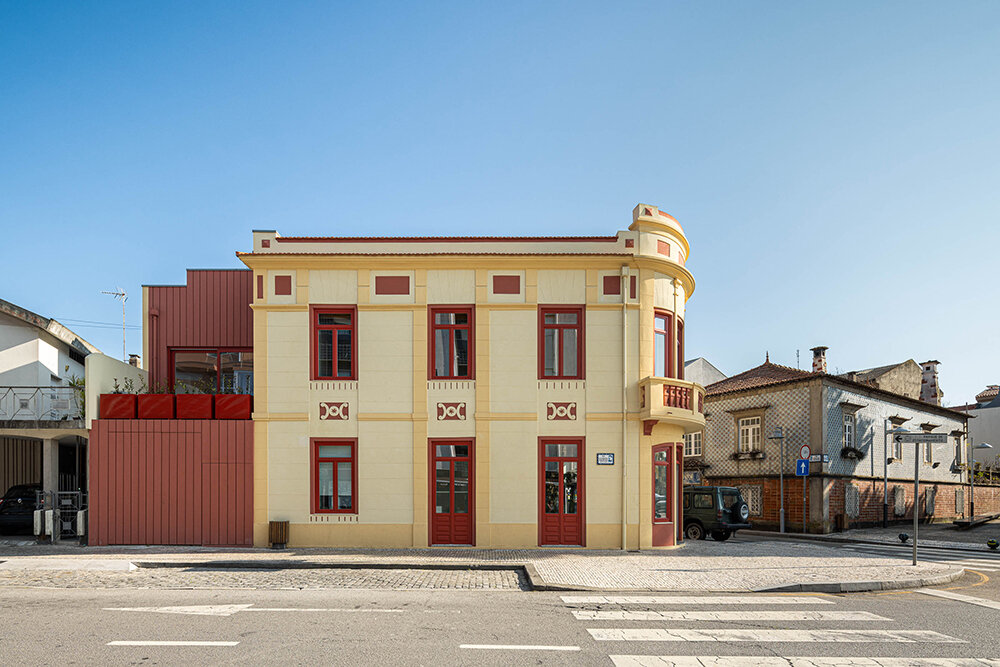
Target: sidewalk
[[734, 566]]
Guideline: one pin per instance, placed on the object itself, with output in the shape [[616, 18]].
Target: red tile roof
[[761, 376]]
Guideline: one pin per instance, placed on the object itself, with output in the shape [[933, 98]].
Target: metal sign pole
[[781, 482], [916, 496]]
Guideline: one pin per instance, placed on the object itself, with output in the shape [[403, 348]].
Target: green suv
[[718, 511]]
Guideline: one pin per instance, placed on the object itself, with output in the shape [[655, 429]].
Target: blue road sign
[[801, 467]]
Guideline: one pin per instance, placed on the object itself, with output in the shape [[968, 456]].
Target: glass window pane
[[441, 352], [552, 487], [461, 352], [196, 372], [703, 501], [325, 354], [461, 487], [561, 450], [660, 455], [569, 487], [550, 318], [236, 376], [334, 451], [442, 318], [452, 450], [569, 352], [566, 318], [325, 486], [660, 355], [344, 484], [335, 319], [660, 322], [660, 492], [442, 495], [461, 318], [551, 352], [344, 353]]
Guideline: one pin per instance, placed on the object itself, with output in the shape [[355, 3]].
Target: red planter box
[[233, 406], [194, 406], [117, 406], [156, 406]]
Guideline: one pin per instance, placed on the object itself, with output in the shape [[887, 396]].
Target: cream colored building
[[482, 391]]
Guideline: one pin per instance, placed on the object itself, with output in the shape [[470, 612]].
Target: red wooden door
[[452, 499], [561, 492]]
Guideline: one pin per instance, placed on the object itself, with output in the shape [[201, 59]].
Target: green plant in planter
[[78, 385]]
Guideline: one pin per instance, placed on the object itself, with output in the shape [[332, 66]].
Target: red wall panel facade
[[211, 310], [171, 482]]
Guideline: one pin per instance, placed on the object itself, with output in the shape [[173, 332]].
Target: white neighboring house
[[702, 371], [985, 425], [43, 435]]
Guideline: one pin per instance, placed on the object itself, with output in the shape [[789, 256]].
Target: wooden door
[[561, 492], [452, 497]]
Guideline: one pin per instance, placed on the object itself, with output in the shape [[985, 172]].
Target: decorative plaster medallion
[[450, 411], [560, 411], [328, 411]]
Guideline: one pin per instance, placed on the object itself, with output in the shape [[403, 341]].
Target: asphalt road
[[446, 627]]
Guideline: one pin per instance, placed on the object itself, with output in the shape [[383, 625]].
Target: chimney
[[929, 392], [134, 360], [819, 358]]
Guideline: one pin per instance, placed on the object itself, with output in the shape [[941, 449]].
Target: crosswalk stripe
[[749, 616], [992, 604], [984, 564], [769, 635], [693, 599], [905, 551], [775, 661]]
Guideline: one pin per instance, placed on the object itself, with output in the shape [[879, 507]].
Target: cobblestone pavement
[[201, 578]]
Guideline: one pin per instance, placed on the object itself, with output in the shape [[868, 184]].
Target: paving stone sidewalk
[[697, 566]]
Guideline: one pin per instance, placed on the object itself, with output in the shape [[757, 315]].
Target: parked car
[[718, 511], [17, 509]]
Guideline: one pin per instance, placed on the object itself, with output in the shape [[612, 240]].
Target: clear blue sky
[[835, 165]]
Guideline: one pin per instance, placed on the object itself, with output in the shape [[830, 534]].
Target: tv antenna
[[122, 296]]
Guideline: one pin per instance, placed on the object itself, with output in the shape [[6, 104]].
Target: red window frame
[[668, 342], [432, 327], [315, 328], [580, 311], [218, 367], [315, 460], [669, 498], [680, 349]]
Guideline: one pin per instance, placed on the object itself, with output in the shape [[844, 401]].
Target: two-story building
[[485, 391]]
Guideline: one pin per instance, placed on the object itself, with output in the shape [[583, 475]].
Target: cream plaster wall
[[333, 287], [288, 362], [385, 472], [513, 472], [288, 471], [513, 360], [562, 287], [385, 361], [451, 287]]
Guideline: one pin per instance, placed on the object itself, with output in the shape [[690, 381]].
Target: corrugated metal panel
[[171, 482], [20, 462], [212, 310]]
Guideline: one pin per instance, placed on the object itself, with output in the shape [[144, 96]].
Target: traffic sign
[[804, 452], [934, 438], [802, 467]]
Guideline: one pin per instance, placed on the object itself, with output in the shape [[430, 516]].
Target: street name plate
[[605, 459], [933, 438]]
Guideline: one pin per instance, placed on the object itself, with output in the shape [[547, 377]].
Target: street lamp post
[[780, 437], [972, 475]]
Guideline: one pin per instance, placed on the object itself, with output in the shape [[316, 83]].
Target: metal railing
[[40, 404]]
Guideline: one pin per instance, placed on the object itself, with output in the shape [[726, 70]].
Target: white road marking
[[230, 609], [693, 599], [749, 616], [982, 602], [175, 643], [518, 647], [769, 635], [775, 661]]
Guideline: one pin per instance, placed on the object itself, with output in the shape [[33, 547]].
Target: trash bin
[[278, 534]]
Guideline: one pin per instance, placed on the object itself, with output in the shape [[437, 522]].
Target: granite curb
[[866, 586]]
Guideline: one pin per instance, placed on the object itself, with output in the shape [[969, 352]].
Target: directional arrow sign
[[934, 438]]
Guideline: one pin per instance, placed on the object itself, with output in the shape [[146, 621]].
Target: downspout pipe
[[625, 293]]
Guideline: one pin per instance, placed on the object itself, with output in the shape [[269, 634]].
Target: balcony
[[672, 401], [40, 406]]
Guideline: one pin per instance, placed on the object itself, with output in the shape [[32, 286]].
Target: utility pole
[[122, 296]]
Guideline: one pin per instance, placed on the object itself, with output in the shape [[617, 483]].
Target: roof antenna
[[121, 295], [797, 365]]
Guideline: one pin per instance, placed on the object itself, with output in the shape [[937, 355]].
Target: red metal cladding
[[117, 406], [156, 406], [171, 482], [211, 310]]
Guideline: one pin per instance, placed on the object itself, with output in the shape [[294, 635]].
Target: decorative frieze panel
[[451, 411], [334, 411], [563, 411]]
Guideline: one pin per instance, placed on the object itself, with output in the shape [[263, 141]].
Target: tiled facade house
[[844, 424], [482, 391]]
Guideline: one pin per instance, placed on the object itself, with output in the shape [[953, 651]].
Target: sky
[[835, 165]]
